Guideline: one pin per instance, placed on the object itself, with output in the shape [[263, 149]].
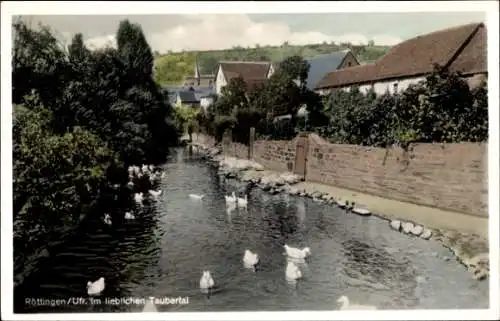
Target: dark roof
[[418, 55], [245, 69], [188, 97], [321, 65]]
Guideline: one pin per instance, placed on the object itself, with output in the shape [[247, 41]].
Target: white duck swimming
[[297, 253], [242, 202], [206, 281], [292, 271], [95, 288], [107, 219], [138, 198], [155, 194], [196, 196], [129, 216], [250, 259], [231, 199], [345, 305]]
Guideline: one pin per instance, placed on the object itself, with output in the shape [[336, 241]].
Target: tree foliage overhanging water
[[81, 117]]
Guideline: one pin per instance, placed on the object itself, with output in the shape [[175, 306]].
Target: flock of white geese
[[250, 259], [153, 175]]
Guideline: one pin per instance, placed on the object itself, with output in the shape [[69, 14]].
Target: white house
[[461, 48], [252, 72], [206, 101]]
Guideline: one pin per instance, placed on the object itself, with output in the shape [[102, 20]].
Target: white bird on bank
[[95, 288], [129, 216], [107, 219], [297, 253], [155, 194], [250, 259], [292, 271], [138, 198], [149, 307], [197, 196], [206, 281], [345, 305]]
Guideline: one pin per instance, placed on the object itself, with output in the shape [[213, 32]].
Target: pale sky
[[221, 31]]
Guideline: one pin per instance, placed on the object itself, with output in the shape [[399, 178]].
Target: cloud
[[222, 31]]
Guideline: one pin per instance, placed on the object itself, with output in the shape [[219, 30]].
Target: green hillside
[[172, 67]]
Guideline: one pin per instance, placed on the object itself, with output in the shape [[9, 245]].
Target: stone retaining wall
[[452, 177]]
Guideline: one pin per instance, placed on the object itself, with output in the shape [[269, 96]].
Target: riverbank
[[465, 236]]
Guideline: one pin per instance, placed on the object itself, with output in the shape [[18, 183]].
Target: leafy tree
[[234, 95], [297, 68], [135, 50], [38, 62], [78, 53]]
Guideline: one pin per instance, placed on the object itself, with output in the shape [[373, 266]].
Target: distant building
[[187, 98], [206, 101], [252, 72], [198, 79], [461, 48], [321, 65]]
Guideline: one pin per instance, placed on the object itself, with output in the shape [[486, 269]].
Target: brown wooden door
[[301, 157]]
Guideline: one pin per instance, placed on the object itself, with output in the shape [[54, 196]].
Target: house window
[[349, 64], [395, 87]]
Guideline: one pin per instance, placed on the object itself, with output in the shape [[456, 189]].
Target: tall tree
[[135, 50]]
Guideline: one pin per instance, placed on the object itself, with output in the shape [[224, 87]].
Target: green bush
[[221, 124], [440, 109]]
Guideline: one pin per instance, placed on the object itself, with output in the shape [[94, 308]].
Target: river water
[[163, 252]]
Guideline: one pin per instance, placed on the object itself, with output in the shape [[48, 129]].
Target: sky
[[221, 31]]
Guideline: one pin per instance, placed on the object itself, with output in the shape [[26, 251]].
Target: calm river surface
[[163, 252]]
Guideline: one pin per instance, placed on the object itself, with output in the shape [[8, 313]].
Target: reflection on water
[[165, 249]]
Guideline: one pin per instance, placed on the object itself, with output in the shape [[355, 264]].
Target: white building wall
[[205, 102], [270, 72], [220, 81], [381, 87]]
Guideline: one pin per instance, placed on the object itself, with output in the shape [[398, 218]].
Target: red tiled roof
[[351, 75], [418, 55], [474, 57], [245, 69]]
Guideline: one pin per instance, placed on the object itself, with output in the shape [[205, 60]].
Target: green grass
[[172, 67]]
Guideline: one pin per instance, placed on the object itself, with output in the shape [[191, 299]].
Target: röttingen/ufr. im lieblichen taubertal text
[[165, 300]]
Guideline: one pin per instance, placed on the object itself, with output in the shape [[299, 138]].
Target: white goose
[[242, 202], [206, 281], [138, 198], [297, 253], [292, 271], [231, 199], [250, 259], [129, 216], [197, 196], [155, 194], [345, 305], [107, 219], [95, 288]]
